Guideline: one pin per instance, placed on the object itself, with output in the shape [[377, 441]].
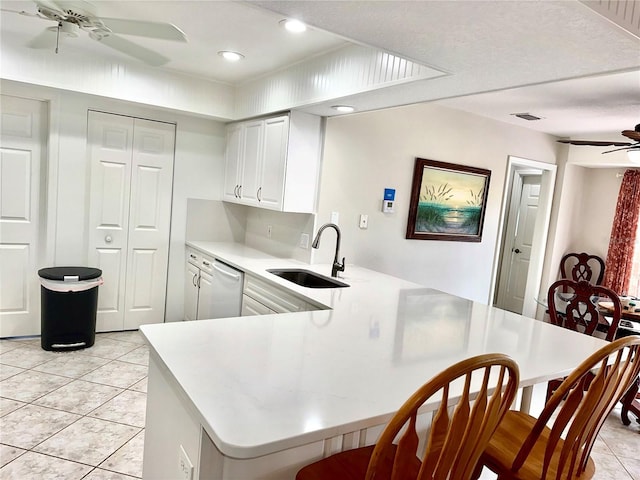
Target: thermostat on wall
[[389, 200]]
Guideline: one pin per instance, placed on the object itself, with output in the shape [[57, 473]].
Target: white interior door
[[149, 222], [22, 140], [129, 218], [110, 146], [518, 244]]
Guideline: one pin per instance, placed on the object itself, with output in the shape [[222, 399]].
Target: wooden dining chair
[[582, 266], [574, 305], [455, 440], [557, 445]]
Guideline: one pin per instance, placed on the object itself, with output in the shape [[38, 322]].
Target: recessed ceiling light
[[294, 26], [231, 56], [344, 108]]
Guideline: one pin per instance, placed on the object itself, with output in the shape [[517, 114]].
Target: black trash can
[[69, 303]]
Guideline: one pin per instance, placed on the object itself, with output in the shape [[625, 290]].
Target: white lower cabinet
[[198, 288], [251, 307], [191, 291], [262, 298]]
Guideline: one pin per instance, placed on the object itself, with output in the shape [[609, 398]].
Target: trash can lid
[[59, 273]]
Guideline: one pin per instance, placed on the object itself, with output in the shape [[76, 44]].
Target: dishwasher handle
[[228, 274]]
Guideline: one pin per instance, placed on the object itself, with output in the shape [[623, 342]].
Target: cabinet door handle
[[239, 191], [205, 263], [193, 280], [235, 191], [191, 255], [258, 193], [199, 277]]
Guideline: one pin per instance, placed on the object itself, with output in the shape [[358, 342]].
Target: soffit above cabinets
[[468, 48]]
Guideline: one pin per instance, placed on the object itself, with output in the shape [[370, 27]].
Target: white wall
[[364, 153], [286, 229], [597, 209], [198, 173]]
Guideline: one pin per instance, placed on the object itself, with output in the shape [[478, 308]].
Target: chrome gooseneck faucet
[[337, 266]]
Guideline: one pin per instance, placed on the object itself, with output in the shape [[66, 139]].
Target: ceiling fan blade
[[51, 6], [46, 39], [632, 134], [595, 143], [129, 48], [141, 28], [632, 146]]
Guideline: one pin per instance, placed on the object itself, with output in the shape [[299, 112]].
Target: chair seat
[[507, 441], [348, 465]]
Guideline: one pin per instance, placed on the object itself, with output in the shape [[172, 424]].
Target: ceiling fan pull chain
[[58, 36]]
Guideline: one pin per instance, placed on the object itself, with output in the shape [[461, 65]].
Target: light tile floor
[[73, 415], [80, 415]]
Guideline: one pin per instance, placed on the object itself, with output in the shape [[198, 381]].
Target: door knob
[[517, 250], [108, 239]]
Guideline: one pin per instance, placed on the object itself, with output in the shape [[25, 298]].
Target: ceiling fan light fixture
[[230, 56], [634, 155], [292, 25]]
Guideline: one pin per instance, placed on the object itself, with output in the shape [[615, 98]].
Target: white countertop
[[267, 383]]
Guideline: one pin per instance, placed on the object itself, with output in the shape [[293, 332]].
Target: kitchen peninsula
[[258, 397]]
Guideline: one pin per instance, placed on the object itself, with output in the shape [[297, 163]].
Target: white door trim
[[547, 184]]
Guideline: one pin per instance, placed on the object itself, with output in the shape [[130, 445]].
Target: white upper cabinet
[[274, 162]]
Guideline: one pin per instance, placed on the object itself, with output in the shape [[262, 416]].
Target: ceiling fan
[[75, 15], [630, 134]]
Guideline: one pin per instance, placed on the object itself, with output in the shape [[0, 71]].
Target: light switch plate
[[185, 467], [335, 217], [304, 240], [364, 221]]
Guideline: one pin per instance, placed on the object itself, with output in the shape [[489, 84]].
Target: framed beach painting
[[448, 201]]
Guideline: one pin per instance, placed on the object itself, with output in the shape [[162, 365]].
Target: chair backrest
[[574, 305], [579, 414], [455, 441], [582, 266]]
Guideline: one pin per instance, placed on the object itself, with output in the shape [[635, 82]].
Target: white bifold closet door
[[129, 217], [23, 133]]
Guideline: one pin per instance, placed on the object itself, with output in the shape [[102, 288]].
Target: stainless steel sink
[[307, 278]]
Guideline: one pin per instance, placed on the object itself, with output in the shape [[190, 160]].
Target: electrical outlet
[[185, 467], [364, 221], [304, 241], [335, 217], [268, 231]]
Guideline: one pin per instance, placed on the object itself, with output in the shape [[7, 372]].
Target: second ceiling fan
[[630, 134]]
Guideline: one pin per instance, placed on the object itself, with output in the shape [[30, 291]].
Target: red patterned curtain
[[623, 234]]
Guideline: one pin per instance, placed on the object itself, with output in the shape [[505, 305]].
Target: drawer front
[[272, 297], [193, 257], [206, 264], [253, 307], [203, 262]]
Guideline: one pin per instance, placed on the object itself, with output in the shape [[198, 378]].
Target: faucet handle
[[341, 267]]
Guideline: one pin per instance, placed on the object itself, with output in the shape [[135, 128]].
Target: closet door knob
[[108, 239]]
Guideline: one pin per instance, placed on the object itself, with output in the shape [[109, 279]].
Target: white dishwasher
[[226, 291]]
